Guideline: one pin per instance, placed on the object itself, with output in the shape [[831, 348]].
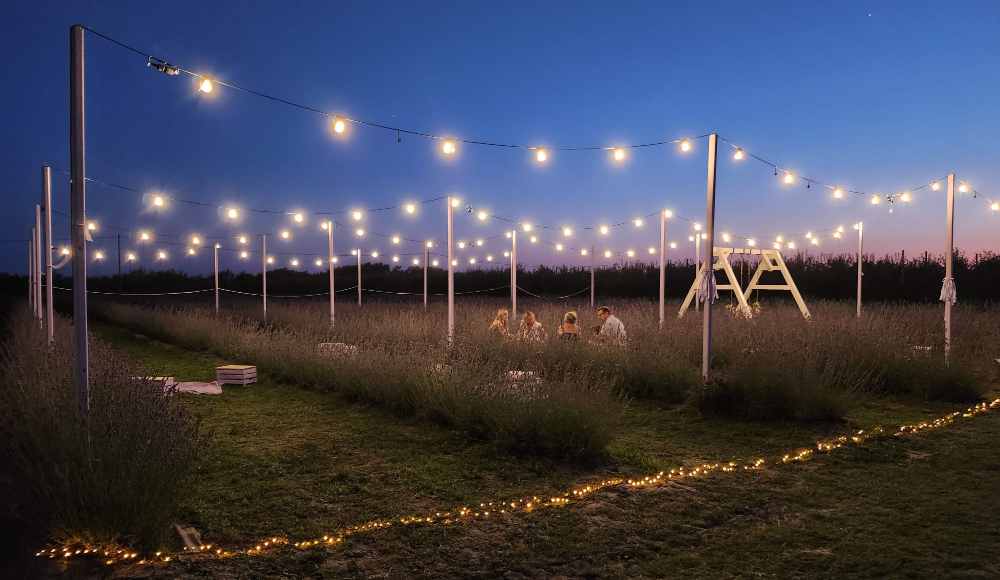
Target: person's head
[[502, 315], [529, 317], [570, 317], [603, 312]]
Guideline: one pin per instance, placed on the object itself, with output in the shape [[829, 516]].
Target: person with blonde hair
[[499, 325], [569, 329], [530, 329]]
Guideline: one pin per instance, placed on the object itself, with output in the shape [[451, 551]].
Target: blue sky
[[876, 96]]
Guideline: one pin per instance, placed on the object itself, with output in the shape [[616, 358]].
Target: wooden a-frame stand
[[770, 261]]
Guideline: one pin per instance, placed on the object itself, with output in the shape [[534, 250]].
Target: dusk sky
[[874, 96]]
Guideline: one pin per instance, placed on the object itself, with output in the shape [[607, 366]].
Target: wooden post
[[697, 264], [948, 291], [359, 274], [39, 314], [427, 255], [861, 259], [706, 349], [215, 268], [330, 267], [49, 246], [263, 272], [31, 275], [78, 215], [663, 265], [513, 275], [593, 280], [451, 269]]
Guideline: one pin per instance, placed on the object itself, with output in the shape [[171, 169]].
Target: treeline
[[887, 278]]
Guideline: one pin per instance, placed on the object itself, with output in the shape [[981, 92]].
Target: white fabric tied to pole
[[707, 288], [949, 293]]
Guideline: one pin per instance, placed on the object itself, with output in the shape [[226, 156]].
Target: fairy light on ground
[[111, 554]]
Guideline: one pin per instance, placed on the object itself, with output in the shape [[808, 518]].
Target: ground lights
[[113, 554]]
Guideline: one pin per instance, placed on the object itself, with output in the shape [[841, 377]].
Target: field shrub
[[113, 478]]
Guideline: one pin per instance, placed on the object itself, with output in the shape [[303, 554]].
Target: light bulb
[[335, 259], [489, 257], [837, 235], [541, 155], [295, 262], [637, 222], [395, 258], [690, 238], [359, 232], [92, 226], [814, 241], [905, 197], [286, 235], [630, 253], [130, 257], [506, 254], [161, 255], [482, 215], [789, 177], [410, 208], [935, 185], [454, 262], [838, 193], [270, 259], [738, 155], [449, 147], [673, 245], [195, 240], [726, 237], [64, 251], [461, 245], [480, 242], [158, 201], [395, 240], [751, 242], [963, 187], [356, 215], [995, 206], [455, 202], [696, 226], [668, 213], [779, 239], [607, 253], [232, 213], [604, 230], [416, 261], [875, 199], [567, 232], [244, 255], [527, 227], [318, 262], [206, 85], [559, 247], [434, 263], [429, 244], [192, 251], [472, 260], [242, 240], [791, 245], [339, 125], [324, 226], [144, 236], [584, 252], [534, 239], [651, 250], [298, 218], [375, 253], [618, 154]]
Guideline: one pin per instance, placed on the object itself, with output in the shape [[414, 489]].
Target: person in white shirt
[[531, 330], [611, 331]]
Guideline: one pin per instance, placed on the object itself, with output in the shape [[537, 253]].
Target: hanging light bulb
[[506, 254], [638, 222], [356, 215], [685, 145], [472, 260], [726, 237], [791, 245], [195, 240], [395, 240], [838, 193], [814, 241], [449, 147], [298, 217], [751, 242], [489, 257], [963, 187], [410, 208], [454, 262], [508, 235], [838, 235], [690, 238], [607, 253], [232, 213], [541, 155], [339, 125], [360, 232], [374, 253], [335, 259], [461, 245], [324, 225], [206, 85], [145, 236], [64, 251], [630, 253], [295, 262], [242, 240], [395, 258], [92, 226], [244, 255], [161, 255], [98, 255], [584, 252], [527, 227], [480, 242], [455, 202], [935, 185], [738, 155], [604, 230], [651, 250], [567, 231], [673, 245], [158, 200], [318, 263], [906, 197], [286, 235], [191, 251], [875, 199], [668, 213], [779, 239], [482, 215], [789, 177], [429, 244], [995, 206], [696, 226], [534, 239], [618, 154], [416, 261], [559, 247], [270, 259], [435, 263]]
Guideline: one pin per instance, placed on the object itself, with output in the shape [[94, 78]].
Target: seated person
[[499, 324], [611, 331], [569, 330], [531, 330]]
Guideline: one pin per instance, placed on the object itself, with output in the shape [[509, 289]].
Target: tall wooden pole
[[330, 268], [948, 292], [593, 279], [78, 216], [263, 272], [215, 268], [49, 246], [697, 263], [451, 270], [427, 255], [39, 312], [663, 265], [359, 275], [861, 261], [31, 275], [706, 348], [513, 275]]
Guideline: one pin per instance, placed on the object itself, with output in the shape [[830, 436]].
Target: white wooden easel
[[770, 261]]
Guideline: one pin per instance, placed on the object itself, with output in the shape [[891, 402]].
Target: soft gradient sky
[[877, 96]]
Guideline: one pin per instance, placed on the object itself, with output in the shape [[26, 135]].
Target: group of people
[[609, 331]]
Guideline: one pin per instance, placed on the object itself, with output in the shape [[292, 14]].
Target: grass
[[285, 460]]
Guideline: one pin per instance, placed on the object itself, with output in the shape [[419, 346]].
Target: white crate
[[236, 374]]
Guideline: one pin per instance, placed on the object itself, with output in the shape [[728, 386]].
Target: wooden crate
[[236, 374]]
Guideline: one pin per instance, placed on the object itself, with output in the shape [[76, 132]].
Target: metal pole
[[38, 264], [663, 264], [329, 265], [426, 259], [948, 266], [451, 272], [263, 272], [359, 275], [861, 260], [593, 286], [78, 215], [49, 246], [513, 276], [706, 347], [215, 267]]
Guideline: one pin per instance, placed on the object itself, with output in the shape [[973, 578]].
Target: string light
[[92, 226], [838, 235], [356, 215], [738, 154], [482, 215], [604, 230], [461, 245], [906, 197], [161, 255], [244, 254], [360, 232], [454, 262], [607, 253], [541, 155], [339, 125], [99, 255], [286, 235], [838, 193], [232, 213], [410, 208], [638, 222], [876, 199], [790, 245], [480, 242], [567, 231], [298, 218], [935, 185], [618, 154], [789, 178], [395, 240], [145, 236], [449, 147], [206, 86], [685, 145], [242, 240], [195, 240]]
